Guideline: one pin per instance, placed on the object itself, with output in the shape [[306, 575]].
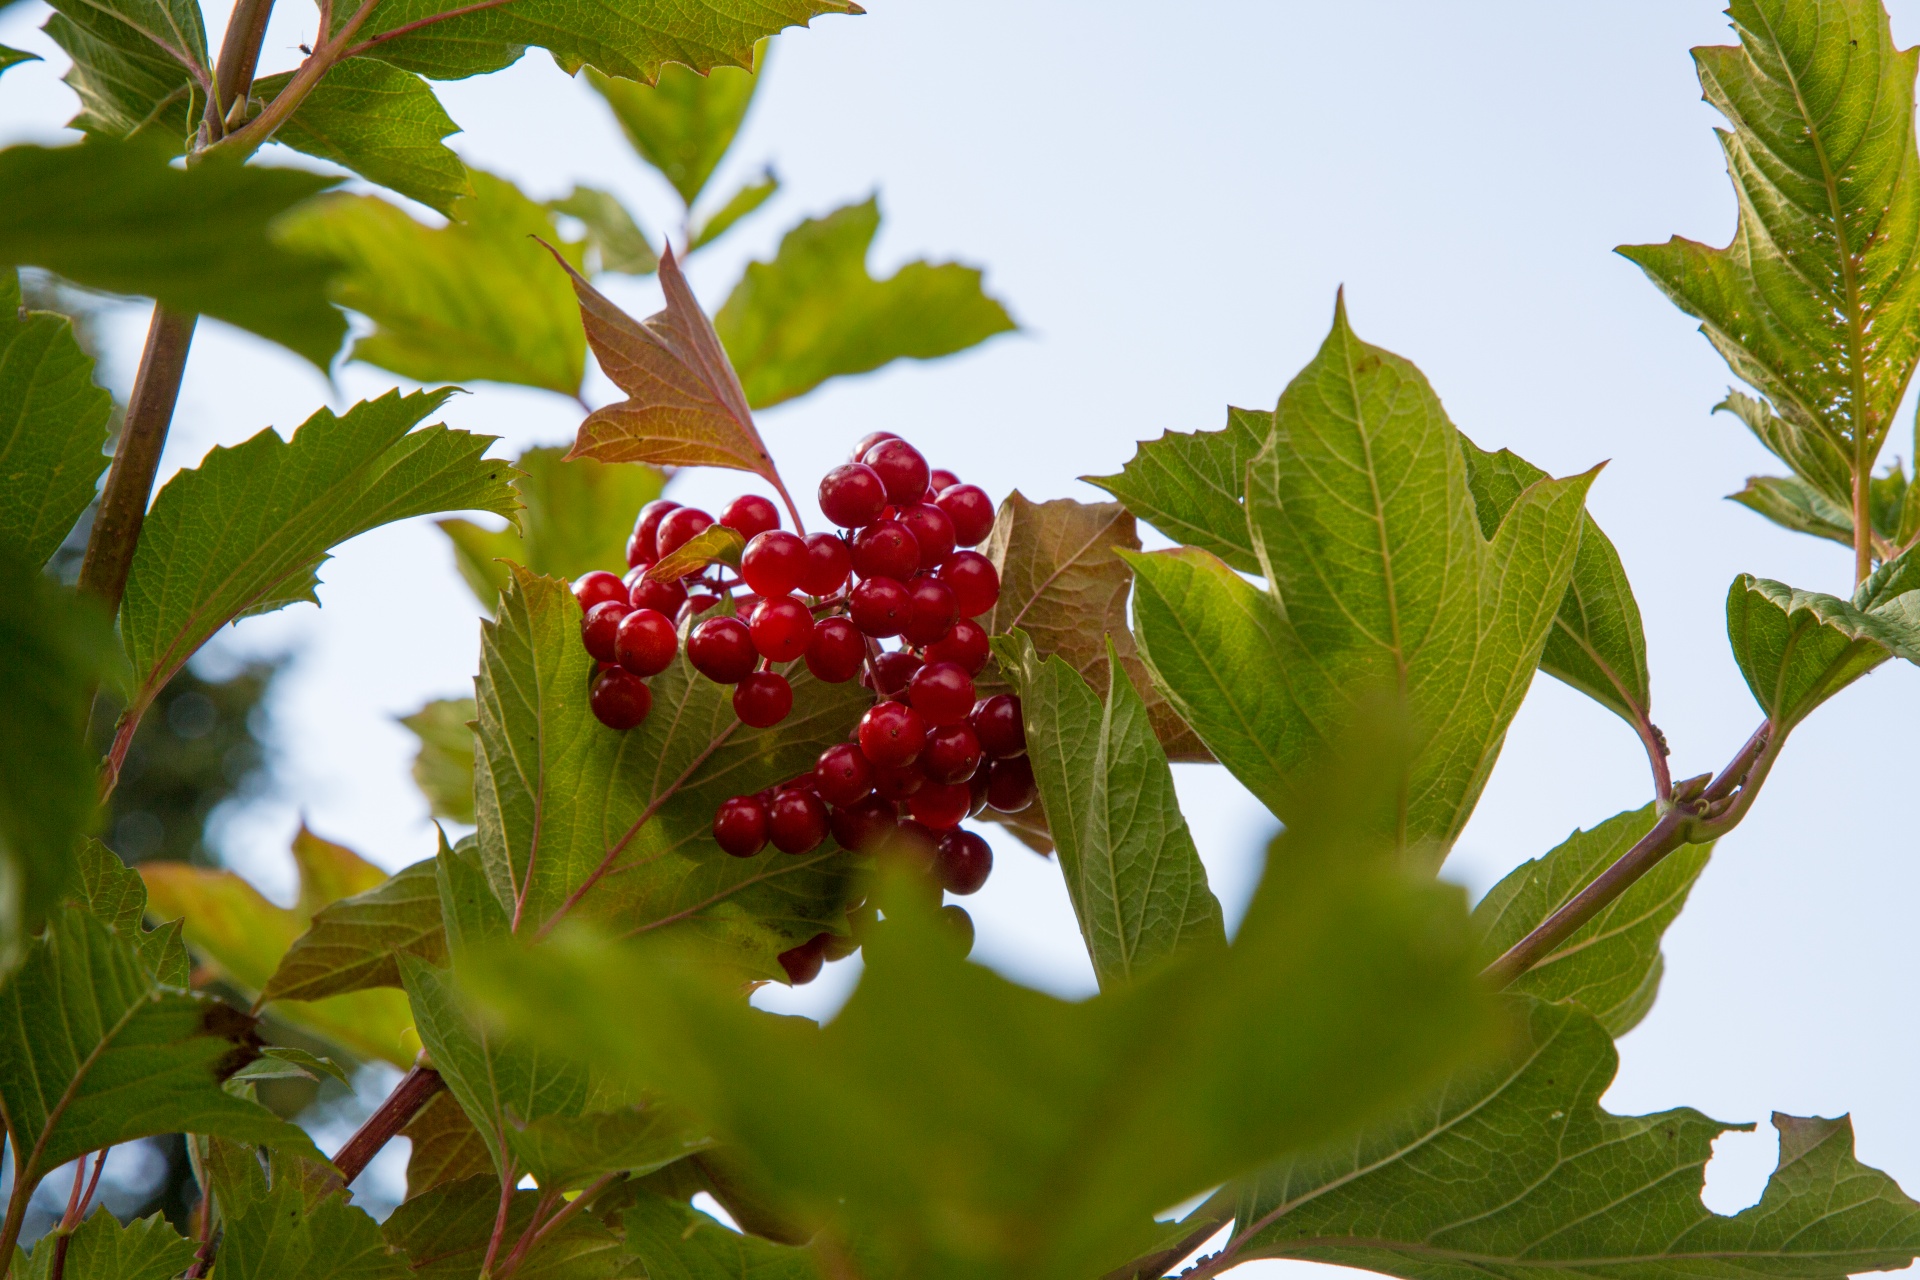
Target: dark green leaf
[[111, 890], [1193, 487], [102, 1249], [445, 1232], [446, 1146], [356, 943], [683, 123], [678, 1242], [53, 425], [443, 767], [383, 123], [139, 66], [815, 313], [10, 57], [741, 203], [614, 239], [286, 1223], [298, 1063], [716, 544], [1799, 648], [568, 1152], [1134, 876]]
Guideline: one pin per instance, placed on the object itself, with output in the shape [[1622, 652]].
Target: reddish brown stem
[[415, 1090], [411, 27], [508, 1177], [530, 1234]]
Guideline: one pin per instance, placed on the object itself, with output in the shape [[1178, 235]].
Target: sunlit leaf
[[1193, 486], [683, 123], [1799, 648], [355, 943], [53, 425], [749, 197], [1792, 503], [614, 239], [716, 544]]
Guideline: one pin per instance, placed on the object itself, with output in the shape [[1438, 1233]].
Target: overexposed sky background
[[1167, 199]]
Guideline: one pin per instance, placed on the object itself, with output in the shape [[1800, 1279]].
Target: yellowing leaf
[[716, 544]]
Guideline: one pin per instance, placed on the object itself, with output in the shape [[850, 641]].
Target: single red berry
[[970, 510], [955, 919], [975, 582], [964, 863], [829, 560], [797, 822], [843, 775], [863, 825], [931, 530], [836, 651], [1010, 786], [965, 643], [996, 722], [852, 495], [940, 805], [644, 545], [679, 527], [646, 642], [895, 783], [892, 671], [942, 692], [598, 587], [803, 962], [697, 605], [915, 843], [900, 468], [721, 649], [892, 733], [880, 607], [620, 699], [782, 628], [661, 597], [885, 549], [774, 563], [740, 826], [600, 625], [762, 699], [952, 753], [941, 478], [977, 792], [867, 442], [805, 782], [750, 515], [932, 609]]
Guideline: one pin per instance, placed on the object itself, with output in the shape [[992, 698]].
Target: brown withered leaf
[[446, 1146], [684, 405], [1062, 584]]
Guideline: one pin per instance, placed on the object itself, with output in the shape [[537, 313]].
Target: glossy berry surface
[[762, 699], [750, 515], [843, 775], [977, 790], [880, 607], [661, 597], [896, 782], [886, 549], [942, 692], [939, 805], [1010, 786], [721, 649], [681, 526], [940, 479], [836, 650], [964, 863], [970, 510], [599, 627], [892, 733], [901, 469], [867, 442], [740, 826], [952, 753], [829, 561], [598, 587], [932, 533], [620, 700], [645, 642], [803, 962], [644, 545], [852, 495], [782, 628], [932, 610], [975, 582], [893, 671], [862, 826], [796, 821], [774, 563], [996, 722], [965, 644]]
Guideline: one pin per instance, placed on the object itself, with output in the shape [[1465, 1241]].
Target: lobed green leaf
[[53, 425], [383, 123], [1193, 486], [101, 1249], [290, 1222], [140, 67], [355, 943], [1799, 648]]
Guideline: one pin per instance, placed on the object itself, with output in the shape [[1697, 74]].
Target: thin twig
[[415, 1090], [530, 1234], [509, 1177], [411, 27]]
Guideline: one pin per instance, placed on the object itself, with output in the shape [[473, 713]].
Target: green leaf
[[11, 57], [117, 216], [1381, 588], [112, 890], [294, 1063], [445, 1232], [443, 767], [355, 944], [576, 515], [101, 1249], [1193, 486], [716, 544], [961, 1125], [1611, 964], [278, 1226], [683, 123], [1516, 1171], [446, 1146], [675, 1241], [475, 300], [740, 204], [53, 425], [139, 67], [569, 1152], [1792, 503], [247, 530], [1823, 464], [613, 237], [1814, 303], [1799, 648], [815, 312], [383, 123], [1134, 876]]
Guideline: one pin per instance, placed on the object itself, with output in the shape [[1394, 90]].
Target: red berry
[[646, 642], [620, 699], [750, 515], [892, 671], [782, 628], [895, 783], [932, 609], [797, 821], [828, 562], [721, 649], [697, 605], [940, 805], [964, 863], [913, 841], [886, 549], [879, 606], [970, 510], [892, 733], [836, 651], [600, 625], [644, 545], [942, 692], [867, 442], [975, 582], [774, 562], [852, 495], [598, 587], [762, 699], [952, 754], [661, 597], [900, 468], [977, 791], [931, 530], [803, 962], [740, 826], [965, 644], [941, 478], [863, 825], [843, 775], [679, 527], [1010, 786], [996, 722]]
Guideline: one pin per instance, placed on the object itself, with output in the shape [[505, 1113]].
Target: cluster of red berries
[[928, 753]]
